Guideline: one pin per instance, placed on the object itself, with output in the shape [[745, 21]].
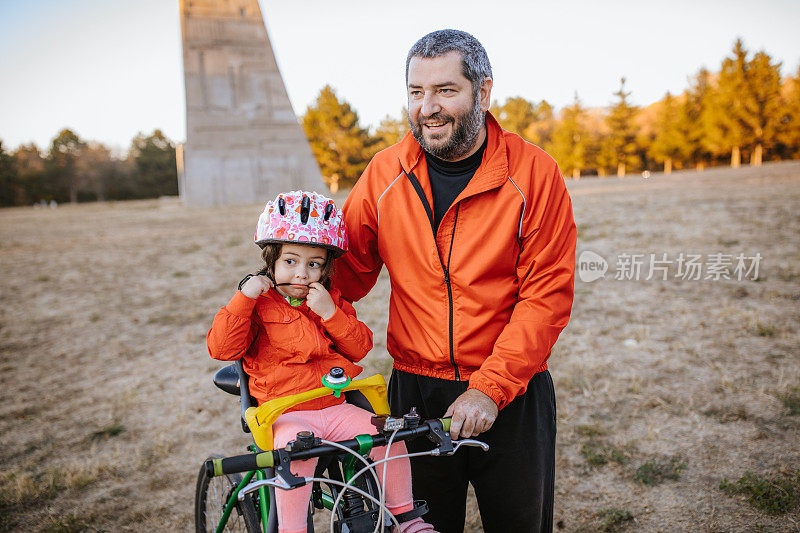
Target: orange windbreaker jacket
[[485, 298], [286, 350]]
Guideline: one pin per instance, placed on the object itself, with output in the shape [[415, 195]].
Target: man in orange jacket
[[475, 228]]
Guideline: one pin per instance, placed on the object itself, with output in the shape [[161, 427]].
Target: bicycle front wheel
[[211, 496]]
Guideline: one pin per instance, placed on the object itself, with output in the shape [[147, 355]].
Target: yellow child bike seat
[[260, 419]]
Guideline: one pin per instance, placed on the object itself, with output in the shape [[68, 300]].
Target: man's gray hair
[[474, 61]]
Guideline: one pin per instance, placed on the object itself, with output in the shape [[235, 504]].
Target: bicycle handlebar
[[436, 429]]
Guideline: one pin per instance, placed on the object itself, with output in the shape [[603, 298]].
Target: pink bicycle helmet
[[303, 218]]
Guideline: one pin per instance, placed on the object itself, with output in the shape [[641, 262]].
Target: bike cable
[[379, 525], [372, 467], [359, 491], [347, 485], [356, 455]]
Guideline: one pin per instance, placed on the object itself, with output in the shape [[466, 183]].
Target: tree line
[[743, 112], [74, 170]]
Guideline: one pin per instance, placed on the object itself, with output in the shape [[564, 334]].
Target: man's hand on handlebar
[[473, 413]]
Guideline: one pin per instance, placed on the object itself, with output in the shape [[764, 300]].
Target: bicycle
[[226, 500]]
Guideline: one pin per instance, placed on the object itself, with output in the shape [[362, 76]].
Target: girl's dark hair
[[272, 251]]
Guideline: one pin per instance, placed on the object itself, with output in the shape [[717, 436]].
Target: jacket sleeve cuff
[[338, 323], [241, 305], [489, 390]]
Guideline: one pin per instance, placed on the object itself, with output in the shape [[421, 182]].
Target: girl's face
[[299, 265]]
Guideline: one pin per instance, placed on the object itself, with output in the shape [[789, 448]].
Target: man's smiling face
[[444, 116]]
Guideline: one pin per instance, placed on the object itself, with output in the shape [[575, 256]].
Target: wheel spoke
[[213, 494]]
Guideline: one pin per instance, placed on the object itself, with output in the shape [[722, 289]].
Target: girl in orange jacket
[[290, 329]]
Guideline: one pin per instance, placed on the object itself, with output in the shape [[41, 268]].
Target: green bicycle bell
[[336, 380]]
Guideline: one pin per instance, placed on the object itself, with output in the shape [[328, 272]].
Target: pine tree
[[341, 146], [692, 117], [390, 131], [621, 141], [540, 131], [725, 127], [31, 172], [570, 140], [603, 155], [10, 189], [155, 172], [669, 143], [63, 176], [762, 105], [788, 136], [516, 115]]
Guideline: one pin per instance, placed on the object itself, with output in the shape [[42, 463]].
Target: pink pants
[[339, 422]]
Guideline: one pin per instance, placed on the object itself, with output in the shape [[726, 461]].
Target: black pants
[[513, 481]]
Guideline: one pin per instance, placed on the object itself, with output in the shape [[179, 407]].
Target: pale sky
[[111, 68]]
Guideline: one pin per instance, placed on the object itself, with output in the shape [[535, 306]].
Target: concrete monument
[[243, 141]]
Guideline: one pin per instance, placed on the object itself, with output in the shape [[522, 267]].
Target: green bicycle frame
[[349, 464], [263, 501], [327, 498], [226, 513]]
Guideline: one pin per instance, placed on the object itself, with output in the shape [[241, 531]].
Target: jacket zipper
[[450, 291], [446, 269]]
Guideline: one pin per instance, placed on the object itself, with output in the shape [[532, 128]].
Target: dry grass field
[[669, 391]]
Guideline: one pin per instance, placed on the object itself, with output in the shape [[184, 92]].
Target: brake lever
[[445, 450], [255, 485], [284, 479], [441, 438], [276, 481], [470, 442]]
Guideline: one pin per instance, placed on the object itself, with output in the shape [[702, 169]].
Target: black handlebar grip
[[239, 463]]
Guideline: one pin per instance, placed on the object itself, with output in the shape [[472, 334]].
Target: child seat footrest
[[420, 508]]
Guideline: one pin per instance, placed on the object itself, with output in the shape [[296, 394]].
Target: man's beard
[[467, 127]]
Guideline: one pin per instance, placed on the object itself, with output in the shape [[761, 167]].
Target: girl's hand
[[320, 301], [256, 286]]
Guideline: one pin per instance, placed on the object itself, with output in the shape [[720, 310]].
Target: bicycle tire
[[211, 495]]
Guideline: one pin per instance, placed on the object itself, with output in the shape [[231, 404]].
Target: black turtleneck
[[448, 179]]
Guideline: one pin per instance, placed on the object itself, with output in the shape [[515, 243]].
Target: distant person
[[475, 228], [289, 330]]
